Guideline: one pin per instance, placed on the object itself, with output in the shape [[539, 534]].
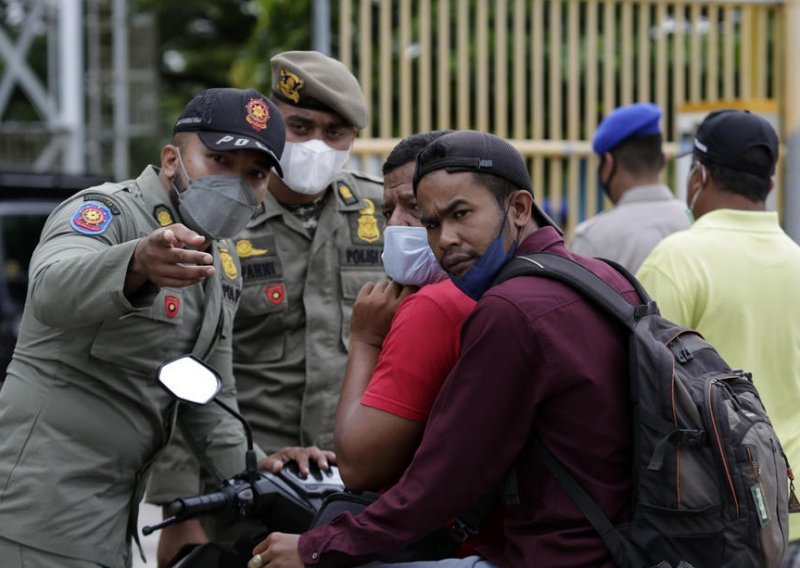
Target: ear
[[606, 164], [520, 205], [662, 161], [169, 160]]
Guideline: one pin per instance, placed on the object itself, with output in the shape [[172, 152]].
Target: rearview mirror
[[189, 380]]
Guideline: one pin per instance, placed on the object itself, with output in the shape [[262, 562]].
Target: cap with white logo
[[235, 119]]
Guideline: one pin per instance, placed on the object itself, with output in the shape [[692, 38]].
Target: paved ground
[[148, 515]]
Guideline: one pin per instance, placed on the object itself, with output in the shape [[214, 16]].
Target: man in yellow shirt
[[735, 274]]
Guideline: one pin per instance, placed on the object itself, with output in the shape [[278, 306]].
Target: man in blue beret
[[628, 143]]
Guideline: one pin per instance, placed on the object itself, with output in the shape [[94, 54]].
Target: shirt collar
[[739, 220], [546, 238], [154, 194], [643, 193]]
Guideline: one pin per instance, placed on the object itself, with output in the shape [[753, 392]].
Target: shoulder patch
[[91, 218], [104, 200], [345, 193], [163, 216]]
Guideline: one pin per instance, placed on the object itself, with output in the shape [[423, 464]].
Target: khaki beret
[[309, 79]]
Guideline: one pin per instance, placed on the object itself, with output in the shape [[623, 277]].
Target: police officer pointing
[[126, 276], [304, 258]]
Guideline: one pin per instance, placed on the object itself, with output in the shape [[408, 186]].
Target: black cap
[[725, 137], [480, 152], [235, 119]]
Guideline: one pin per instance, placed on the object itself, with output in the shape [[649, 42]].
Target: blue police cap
[[638, 119]]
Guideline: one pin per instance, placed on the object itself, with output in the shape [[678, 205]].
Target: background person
[[126, 276], [628, 143], [304, 257], [734, 275], [533, 349]]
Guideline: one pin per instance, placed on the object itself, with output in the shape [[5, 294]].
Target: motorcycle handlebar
[[193, 506]]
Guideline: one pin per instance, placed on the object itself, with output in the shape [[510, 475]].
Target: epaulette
[[368, 177], [350, 188]]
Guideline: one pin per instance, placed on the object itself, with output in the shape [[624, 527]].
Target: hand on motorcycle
[[278, 550], [374, 309], [275, 462]]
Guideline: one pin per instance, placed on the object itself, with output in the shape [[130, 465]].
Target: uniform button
[[314, 556]]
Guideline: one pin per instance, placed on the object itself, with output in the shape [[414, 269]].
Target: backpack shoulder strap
[[557, 267], [620, 548]]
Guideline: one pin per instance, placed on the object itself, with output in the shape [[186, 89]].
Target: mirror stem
[[250, 462]]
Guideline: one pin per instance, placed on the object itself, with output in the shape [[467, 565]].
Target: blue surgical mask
[[407, 257], [480, 275]]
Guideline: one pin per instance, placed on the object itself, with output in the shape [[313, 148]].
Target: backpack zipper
[[711, 384], [777, 469]]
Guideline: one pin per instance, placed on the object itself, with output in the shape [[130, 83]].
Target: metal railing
[[543, 73]]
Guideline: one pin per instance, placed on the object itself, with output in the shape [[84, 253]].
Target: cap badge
[[290, 85], [367, 223], [275, 293], [228, 265], [91, 218], [245, 249], [163, 216], [171, 305], [257, 113]]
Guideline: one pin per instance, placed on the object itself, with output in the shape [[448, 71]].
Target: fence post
[[791, 113]]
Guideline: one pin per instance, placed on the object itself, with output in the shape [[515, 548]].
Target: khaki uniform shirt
[[81, 413], [627, 233], [292, 327]]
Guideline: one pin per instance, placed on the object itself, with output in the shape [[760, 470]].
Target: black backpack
[[710, 484]]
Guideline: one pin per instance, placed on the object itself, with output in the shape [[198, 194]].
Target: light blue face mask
[[480, 275], [407, 257]]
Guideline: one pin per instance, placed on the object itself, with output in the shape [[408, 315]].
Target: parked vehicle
[[26, 199]]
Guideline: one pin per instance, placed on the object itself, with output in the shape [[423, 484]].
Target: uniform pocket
[[260, 324], [144, 339], [352, 280]]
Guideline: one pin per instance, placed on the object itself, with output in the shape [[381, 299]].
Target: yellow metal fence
[[543, 73]]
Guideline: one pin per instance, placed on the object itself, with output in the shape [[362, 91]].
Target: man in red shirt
[[397, 364], [537, 359], [394, 373]]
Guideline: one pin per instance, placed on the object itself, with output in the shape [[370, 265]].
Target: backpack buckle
[[461, 531]]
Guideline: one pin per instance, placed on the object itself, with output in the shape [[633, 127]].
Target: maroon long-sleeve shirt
[[536, 357]]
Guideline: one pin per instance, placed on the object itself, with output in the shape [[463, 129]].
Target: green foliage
[[212, 43], [198, 42], [282, 25]]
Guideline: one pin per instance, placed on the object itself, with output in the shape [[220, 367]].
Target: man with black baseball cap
[[535, 357], [126, 276], [735, 274], [304, 257], [628, 145]]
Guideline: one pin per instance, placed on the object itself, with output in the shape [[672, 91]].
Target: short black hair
[[753, 187], [640, 154], [407, 149], [499, 187]]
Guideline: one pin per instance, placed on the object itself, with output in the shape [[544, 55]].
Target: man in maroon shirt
[[537, 359]]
